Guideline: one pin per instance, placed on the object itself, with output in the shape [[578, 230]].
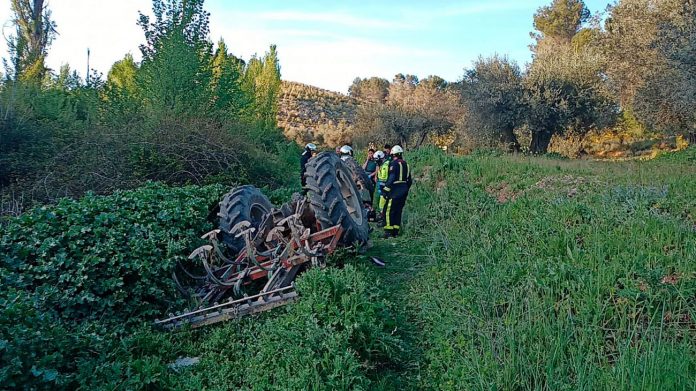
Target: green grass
[[582, 278], [513, 273]]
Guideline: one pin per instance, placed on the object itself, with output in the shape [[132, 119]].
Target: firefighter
[[309, 151], [346, 152], [378, 158], [395, 192], [382, 175]]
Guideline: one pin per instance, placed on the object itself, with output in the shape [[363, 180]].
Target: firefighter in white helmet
[[346, 152], [395, 192], [381, 175]]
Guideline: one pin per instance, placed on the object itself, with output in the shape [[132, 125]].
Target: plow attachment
[[263, 301], [261, 275]]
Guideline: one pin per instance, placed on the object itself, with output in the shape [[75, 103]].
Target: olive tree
[[565, 90], [661, 92], [493, 94]]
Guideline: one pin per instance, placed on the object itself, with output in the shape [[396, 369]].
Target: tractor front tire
[[243, 203], [335, 199]]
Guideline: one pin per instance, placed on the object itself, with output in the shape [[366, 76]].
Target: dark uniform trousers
[[393, 211], [397, 187]]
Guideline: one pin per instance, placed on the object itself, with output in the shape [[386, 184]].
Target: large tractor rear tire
[[360, 177], [243, 203], [335, 198]]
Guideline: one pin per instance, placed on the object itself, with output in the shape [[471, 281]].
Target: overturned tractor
[[252, 259]]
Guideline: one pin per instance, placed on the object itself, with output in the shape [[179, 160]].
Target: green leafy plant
[[88, 269]]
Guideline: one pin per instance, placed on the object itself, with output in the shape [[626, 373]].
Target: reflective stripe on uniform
[[386, 214]]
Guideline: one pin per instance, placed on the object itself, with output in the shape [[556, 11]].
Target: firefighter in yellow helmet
[[395, 191]]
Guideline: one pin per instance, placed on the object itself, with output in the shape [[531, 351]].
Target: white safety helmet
[[379, 155], [311, 147], [396, 150], [346, 150]]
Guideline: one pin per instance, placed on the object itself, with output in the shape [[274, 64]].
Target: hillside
[[307, 113], [311, 114]]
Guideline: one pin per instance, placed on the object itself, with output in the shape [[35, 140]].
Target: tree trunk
[[423, 136], [509, 138], [38, 28], [540, 142]]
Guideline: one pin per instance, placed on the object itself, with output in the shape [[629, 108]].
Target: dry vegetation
[[307, 113]]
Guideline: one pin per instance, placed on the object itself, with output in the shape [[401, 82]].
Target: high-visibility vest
[[383, 173]]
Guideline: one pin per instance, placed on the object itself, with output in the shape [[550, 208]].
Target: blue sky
[[324, 43]]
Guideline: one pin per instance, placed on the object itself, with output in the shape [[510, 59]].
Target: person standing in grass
[[395, 192], [370, 165], [381, 174], [382, 177]]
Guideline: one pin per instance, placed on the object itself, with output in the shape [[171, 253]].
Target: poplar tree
[[34, 32]]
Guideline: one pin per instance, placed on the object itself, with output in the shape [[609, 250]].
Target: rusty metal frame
[[277, 250]]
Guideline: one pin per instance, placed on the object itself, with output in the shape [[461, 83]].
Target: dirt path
[[405, 262]]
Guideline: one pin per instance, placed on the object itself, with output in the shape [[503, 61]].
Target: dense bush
[[102, 256], [77, 272]]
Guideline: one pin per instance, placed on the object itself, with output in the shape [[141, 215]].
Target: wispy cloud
[[400, 18], [405, 18], [483, 7], [335, 18]]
